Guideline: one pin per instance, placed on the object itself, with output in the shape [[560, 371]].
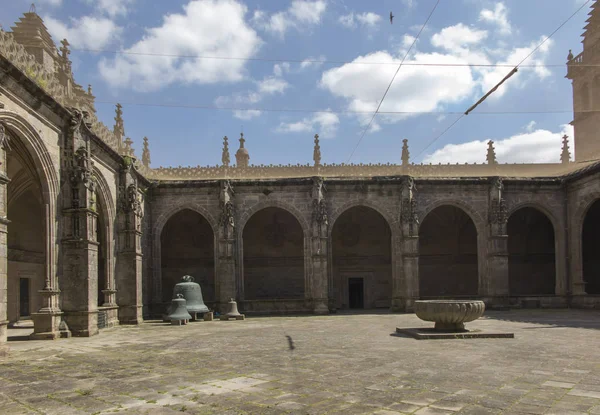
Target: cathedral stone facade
[[91, 236]]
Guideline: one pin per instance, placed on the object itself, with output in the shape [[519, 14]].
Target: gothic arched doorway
[[188, 248], [361, 243], [26, 234], [531, 258], [273, 248], [448, 266], [589, 249]]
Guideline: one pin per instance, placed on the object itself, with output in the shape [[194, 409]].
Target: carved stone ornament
[[227, 207], [130, 199], [81, 168], [320, 212], [76, 121], [498, 212], [409, 212], [4, 144], [320, 215]]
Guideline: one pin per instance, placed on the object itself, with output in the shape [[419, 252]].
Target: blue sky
[[354, 31]]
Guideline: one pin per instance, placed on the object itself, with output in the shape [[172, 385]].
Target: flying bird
[[391, 18]]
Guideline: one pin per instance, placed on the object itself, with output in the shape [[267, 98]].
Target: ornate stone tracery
[[409, 216], [320, 215], [227, 208], [498, 210]]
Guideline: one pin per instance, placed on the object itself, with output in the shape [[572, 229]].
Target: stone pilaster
[[493, 285], [406, 288], [3, 246], [80, 247], [129, 257], [319, 248], [226, 283]]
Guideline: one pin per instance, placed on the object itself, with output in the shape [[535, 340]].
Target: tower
[[242, 156], [586, 89]]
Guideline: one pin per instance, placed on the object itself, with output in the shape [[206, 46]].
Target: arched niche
[[187, 248], [590, 238], [531, 253], [362, 259], [448, 262], [273, 256]]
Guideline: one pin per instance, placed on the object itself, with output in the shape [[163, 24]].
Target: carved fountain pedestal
[[449, 317]]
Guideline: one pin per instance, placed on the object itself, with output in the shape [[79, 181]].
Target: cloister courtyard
[[336, 364]]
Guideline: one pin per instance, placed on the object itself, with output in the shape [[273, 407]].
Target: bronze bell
[[232, 312], [179, 315], [192, 293]]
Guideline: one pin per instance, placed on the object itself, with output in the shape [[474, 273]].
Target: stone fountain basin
[[449, 315]]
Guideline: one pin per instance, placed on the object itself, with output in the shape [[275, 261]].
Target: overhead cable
[[510, 74], [393, 77]]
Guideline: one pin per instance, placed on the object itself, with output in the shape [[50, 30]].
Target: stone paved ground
[[342, 364]]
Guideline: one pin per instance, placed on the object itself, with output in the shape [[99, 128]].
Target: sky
[[293, 69]]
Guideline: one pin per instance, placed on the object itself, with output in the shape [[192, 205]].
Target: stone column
[[3, 246], [226, 235], [48, 318], [493, 286], [319, 248], [80, 249], [129, 257], [406, 289]]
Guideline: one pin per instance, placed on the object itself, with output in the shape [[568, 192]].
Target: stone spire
[[491, 153], [565, 155], [225, 156], [119, 128], [146, 153], [405, 153], [317, 152], [242, 156], [128, 150], [31, 32]]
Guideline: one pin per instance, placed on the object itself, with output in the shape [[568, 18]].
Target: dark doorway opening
[[356, 292], [24, 297]]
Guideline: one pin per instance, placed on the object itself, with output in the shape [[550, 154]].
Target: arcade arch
[[448, 262], [361, 241]]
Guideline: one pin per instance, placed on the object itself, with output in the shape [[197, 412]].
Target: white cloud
[[456, 37], [112, 7], [271, 85], [353, 20], [431, 88], [300, 14], [199, 30], [416, 88], [86, 32], [323, 123], [536, 146], [530, 126], [280, 68], [498, 17], [491, 76], [53, 3], [312, 62], [246, 114]]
